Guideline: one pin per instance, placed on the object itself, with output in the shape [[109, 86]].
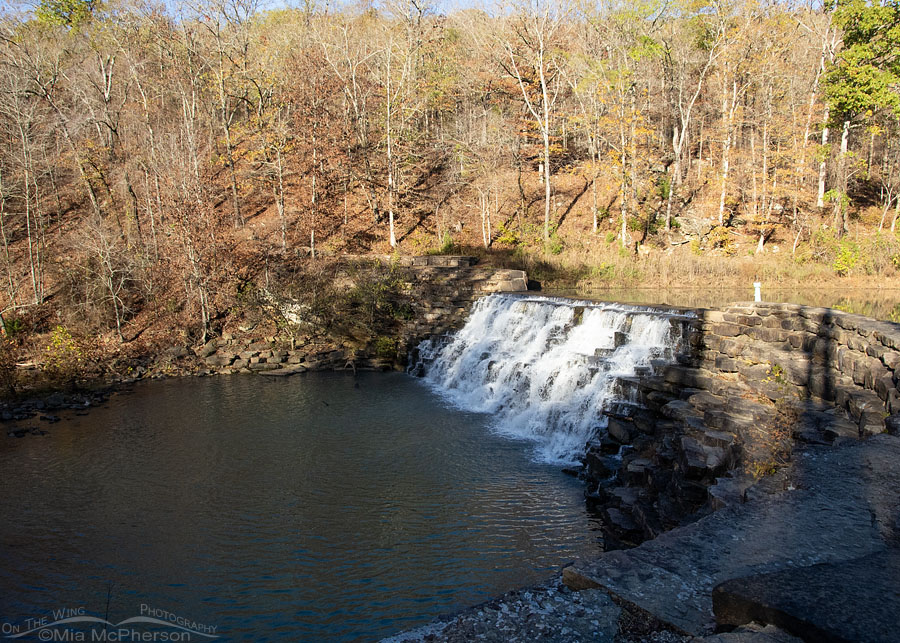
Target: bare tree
[[532, 28]]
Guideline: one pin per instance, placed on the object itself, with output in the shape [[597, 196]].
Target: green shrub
[[848, 256], [508, 236], [447, 247], [13, 327], [385, 347], [64, 360], [554, 245], [664, 186]]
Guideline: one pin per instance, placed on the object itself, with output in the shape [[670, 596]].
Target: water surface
[[318, 507]]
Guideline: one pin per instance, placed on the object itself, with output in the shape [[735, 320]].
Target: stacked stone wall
[[752, 380], [440, 290]]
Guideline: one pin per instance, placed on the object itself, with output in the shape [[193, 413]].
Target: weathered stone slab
[[262, 366], [856, 600], [287, 371], [751, 633]]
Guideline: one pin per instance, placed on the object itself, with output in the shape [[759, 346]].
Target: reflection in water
[[305, 508], [880, 303]]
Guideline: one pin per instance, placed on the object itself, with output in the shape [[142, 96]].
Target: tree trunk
[[728, 115], [842, 198], [820, 194]]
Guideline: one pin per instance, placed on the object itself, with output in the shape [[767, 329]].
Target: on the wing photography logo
[[75, 624]]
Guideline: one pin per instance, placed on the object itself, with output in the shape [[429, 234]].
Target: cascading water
[[547, 368]]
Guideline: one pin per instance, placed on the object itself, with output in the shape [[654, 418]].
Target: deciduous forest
[[156, 159]]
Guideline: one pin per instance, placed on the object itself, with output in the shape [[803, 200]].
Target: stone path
[[839, 504]]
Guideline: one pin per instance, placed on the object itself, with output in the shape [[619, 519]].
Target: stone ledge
[[856, 600]]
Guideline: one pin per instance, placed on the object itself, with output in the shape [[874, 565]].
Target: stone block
[[207, 349], [846, 321], [891, 359], [754, 372], [857, 343], [732, 348], [263, 366], [888, 335], [769, 335], [893, 401], [860, 401], [637, 471], [220, 359], [871, 422], [725, 329], [699, 461], [892, 424], [726, 364], [797, 340], [814, 314], [620, 429], [704, 400], [875, 350]]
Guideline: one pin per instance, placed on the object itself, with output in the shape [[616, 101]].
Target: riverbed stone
[[263, 366], [286, 371], [892, 424], [207, 349]]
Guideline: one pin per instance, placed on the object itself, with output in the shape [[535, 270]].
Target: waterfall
[[546, 368]]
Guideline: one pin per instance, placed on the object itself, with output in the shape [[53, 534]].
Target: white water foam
[[546, 368]]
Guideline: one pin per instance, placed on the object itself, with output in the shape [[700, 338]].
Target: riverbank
[[356, 304]]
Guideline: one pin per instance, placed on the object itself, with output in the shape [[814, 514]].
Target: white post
[[756, 293]]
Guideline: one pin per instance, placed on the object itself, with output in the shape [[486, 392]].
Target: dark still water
[[306, 508]]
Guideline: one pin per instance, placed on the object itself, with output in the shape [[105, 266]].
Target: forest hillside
[[160, 161]]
